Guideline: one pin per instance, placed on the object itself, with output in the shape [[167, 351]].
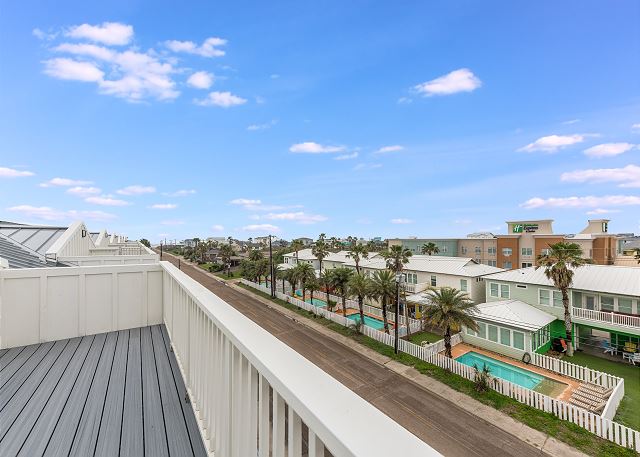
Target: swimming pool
[[514, 374], [368, 321], [316, 301]]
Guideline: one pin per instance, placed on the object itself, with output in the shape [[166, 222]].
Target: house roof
[[19, 256], [37, 238], [513, 313], [612, 279], [456, 266]]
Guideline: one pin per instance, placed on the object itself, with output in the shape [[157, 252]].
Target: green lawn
[[419, 337], [223, 275], [567, 432], [629, 410]]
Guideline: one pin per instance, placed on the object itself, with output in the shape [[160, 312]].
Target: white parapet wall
[[47, 304]]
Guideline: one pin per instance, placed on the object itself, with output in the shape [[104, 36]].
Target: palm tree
[[340, 282], [360, 287], [320, 250], [312, 284], [334, 243], [262, 269], [304, 271], [326, 280], [450, 309], [278, 272], [296, 245], [292, 279], [226, 252], [637, 254], [559, 263], [358, 252], [430, 248], [255, 255], [397, 257], [383, 289]]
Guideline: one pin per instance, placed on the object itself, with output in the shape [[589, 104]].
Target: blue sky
[[161, 119]]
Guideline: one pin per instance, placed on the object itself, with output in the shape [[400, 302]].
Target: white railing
[[237, 373], [609, 317], [415, 288], [579, 372], [601, 425]]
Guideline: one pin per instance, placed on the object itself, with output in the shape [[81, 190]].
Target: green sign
[[521, 228]]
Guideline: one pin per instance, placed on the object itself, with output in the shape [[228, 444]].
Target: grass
[[629, 410], [419, 337], [223, 275], [547, 423]]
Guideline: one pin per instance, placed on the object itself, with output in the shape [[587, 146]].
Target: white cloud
[[136, 190], [172, 222], [367, 166], [298, 216], [462, 80], [223, 99], [201, 80], [245, 201], [353, 155], [164, 206], [275, 76], [404, 100], [401, 220], [217, 228], [387, 149], [267, 228], [81, 191], [257, 205], [635, 127], [110, 33], [181, 193], [552, 143], [42, 35], [51, 214], [628, 176], [85, 49], [64, 182], [12, 173], [571, 122], [106, 201], [72, 70], [209, 48], [608, 149], [599, 211], [267, 125], [581, 202], [309, 147]]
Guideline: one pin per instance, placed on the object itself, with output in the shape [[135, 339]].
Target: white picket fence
[[600, 425]]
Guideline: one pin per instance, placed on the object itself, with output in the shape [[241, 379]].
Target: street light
[[396, 341]]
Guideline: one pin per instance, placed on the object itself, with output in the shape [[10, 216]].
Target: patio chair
[[608, 348], [631, 357]]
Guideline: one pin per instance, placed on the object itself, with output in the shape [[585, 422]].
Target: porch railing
[[608, 317]]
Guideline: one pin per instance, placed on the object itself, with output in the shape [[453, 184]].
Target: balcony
[[143, 360], [590, 316], [415, 288]]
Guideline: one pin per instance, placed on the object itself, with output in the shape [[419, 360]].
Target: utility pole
[[160, 250], [396, 339], [271, 270]]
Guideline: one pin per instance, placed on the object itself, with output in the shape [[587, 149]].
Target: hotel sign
[[522, 228]]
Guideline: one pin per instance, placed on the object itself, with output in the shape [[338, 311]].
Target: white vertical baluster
[[263, 417], [294, 441], [316, 447], [278, 425]]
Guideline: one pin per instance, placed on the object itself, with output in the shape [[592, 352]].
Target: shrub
[[481, 378]]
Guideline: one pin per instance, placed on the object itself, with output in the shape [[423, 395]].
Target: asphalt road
[[444, 426]]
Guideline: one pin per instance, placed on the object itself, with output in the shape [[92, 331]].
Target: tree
[[334, 243], [145, 242], [397, 257], [255, 255], [320, 250], [248, 270], [559, 263], [383, 289], [637, 254], [292, 278], [358, 252], [450, 309], [226, 252], [360, 287], [281, 274], [326, 280], [312, 284], [262, 269], [296, 246], [430, 248], [340, 283], [304, 271]]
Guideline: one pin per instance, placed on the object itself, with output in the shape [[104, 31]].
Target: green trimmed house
[[524, 312]]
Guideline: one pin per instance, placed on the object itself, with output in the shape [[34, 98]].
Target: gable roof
[[612, 279], [19, 256], [513, 313], [38, 238]]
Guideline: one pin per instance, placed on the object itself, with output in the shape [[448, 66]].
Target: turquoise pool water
[[514, 374], [316, 301], [368, 321]]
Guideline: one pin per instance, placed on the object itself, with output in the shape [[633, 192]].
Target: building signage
[[522, 228]]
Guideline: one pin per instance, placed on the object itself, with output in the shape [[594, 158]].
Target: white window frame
[[464, 288], [505, 250], [434, 281], [508, 289], [497, 295], [526, 252]]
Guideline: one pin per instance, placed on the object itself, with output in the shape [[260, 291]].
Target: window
[[624, 305], [527, 264], [521, 286], [482, 330], [443, 249], [504, 291], [478, 250], [470, 332], [493, 289], [527, 251], [463, 249], [492, 263], [557, 299], [505, 336], [463, 285], [492, 250], [507, 265], [544, 297], [493, 332], [606, 303], [545, 251], [433, 281], [518, 340], [507, 252]]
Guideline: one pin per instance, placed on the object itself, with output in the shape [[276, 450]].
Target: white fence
[[601, 425], [606, 317], [94, 260], [47, 304], [237, 373]]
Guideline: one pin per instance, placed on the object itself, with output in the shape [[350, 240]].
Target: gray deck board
[[113, 394], [155, 442]]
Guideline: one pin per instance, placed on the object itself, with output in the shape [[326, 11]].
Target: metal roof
[[18, 256], [611, 279], [456, 266], [513, 313], [36, 238]]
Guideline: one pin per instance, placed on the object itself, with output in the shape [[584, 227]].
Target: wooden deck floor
[[118, 393]]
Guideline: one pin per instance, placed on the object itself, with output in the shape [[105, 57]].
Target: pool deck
[[572, 384]]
